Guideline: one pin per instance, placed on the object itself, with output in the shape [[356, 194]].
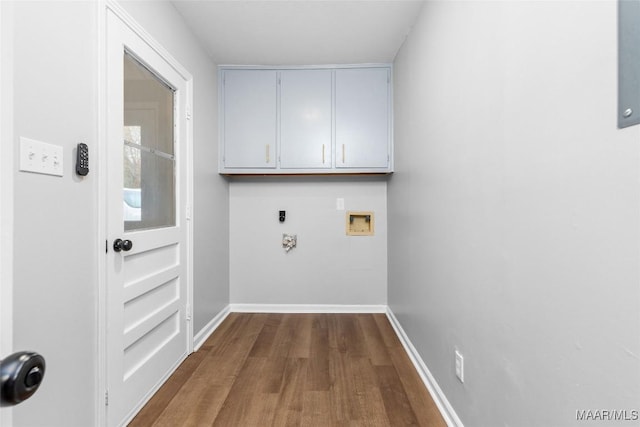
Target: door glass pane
[[149, 199]]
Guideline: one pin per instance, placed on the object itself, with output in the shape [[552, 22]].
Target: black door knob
[[34, 376], [127, 245], [122, 245], [20, 376]]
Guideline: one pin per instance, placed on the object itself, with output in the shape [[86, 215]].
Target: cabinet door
[[305, 119], [362, 118], [249, 110]]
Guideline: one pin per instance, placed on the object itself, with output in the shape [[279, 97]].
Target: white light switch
[[40, 157], [340, 204]]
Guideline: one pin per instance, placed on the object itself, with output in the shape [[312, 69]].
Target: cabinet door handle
[[267, 154], [322, 153], [342, 153]]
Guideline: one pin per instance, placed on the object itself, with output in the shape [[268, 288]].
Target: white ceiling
[[300, 32]]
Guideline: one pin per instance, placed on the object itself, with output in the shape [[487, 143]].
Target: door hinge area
[[106, 398], [106, 246]]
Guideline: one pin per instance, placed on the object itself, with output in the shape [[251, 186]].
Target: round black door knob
[[20, 376], [122, 245], [127, 245]]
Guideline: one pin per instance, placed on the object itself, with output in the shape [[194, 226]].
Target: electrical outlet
[[459, 366]]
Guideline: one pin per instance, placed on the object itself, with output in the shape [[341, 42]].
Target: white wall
[[55, 219], [514, 210], [211, 194], [326, 267], [6, 186]]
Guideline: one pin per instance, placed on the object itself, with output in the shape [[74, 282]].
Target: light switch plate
[[40, 157], [459, 366]]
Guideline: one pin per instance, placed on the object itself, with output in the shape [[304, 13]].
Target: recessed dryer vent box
[[360, 223]]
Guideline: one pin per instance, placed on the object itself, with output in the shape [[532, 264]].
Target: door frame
[[104, 7], [6, 192]]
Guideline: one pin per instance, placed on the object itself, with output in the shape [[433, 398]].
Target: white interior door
[[146, 255]]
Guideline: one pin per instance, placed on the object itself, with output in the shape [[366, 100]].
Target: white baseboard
[[206, 332], [447, 411], [306, 308]]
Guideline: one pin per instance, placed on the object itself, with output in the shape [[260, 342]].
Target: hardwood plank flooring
[[285, 370]]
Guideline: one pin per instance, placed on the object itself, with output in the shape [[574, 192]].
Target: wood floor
[[295, 370]]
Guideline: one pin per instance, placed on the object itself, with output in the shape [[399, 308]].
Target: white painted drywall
[[300, 32], [211, 194], [514, 211], [6, 192], [55, 219], [326, 267]]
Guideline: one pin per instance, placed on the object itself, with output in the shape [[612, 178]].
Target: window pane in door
[[149, 199]]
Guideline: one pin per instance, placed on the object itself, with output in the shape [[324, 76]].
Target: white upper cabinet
[[362, 118], [305, 119], [249, 112]]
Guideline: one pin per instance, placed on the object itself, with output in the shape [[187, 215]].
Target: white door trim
[[6, 190], [100, 415], [103, 7]]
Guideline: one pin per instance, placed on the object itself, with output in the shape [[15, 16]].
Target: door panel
[[305, 119], [146, 193], [250, 97], [362, 118]]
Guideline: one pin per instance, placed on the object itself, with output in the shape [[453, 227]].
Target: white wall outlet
[[40, 157], [459, 366], [340, 204]]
